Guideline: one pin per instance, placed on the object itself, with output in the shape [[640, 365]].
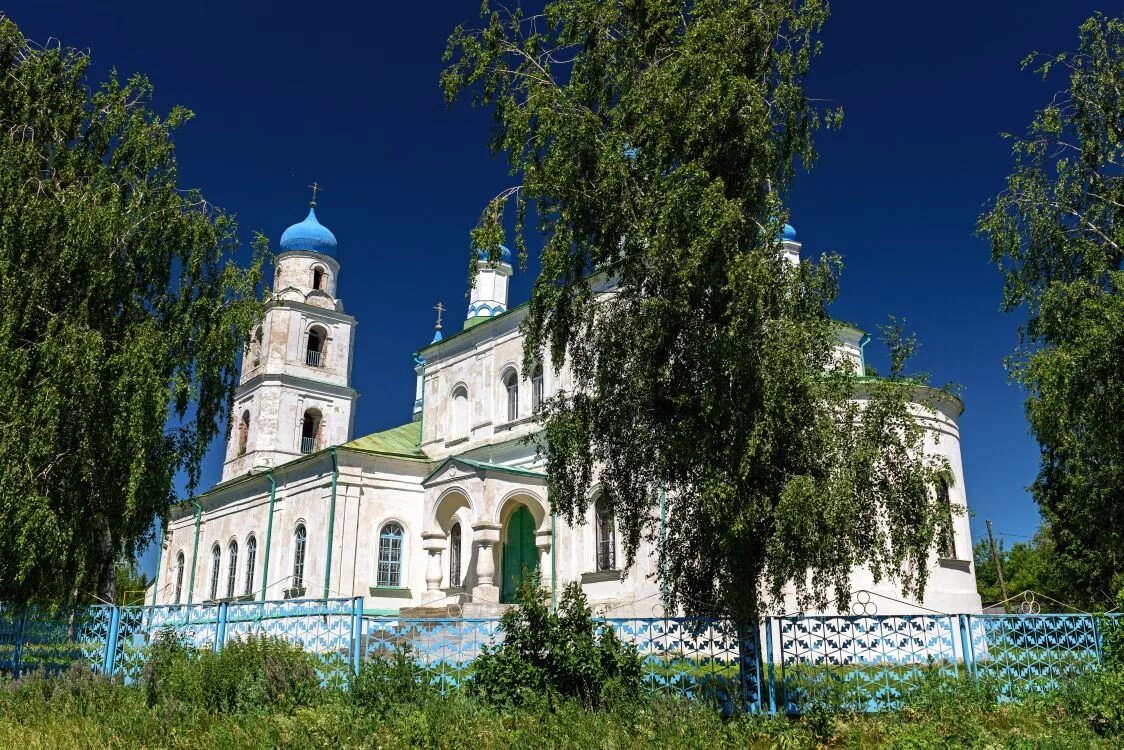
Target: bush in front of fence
[[258, 672], [393, 679], [550, 655]]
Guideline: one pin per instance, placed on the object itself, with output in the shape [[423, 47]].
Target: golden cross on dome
[[440, 308], [315, 189]]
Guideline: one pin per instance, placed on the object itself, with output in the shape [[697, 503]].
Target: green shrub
[[391, 680], [547, 655], [1098, 698], [249, 674]]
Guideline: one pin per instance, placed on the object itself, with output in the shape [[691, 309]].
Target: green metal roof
[[401, 442]]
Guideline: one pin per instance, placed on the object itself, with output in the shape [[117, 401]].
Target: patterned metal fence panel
[[1031, 653], [860, 663], [697, 658], [444, 646], [327, 628], [194, 624]]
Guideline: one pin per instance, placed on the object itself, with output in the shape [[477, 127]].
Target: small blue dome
[[505, 252], [789, 234], [309, 235]]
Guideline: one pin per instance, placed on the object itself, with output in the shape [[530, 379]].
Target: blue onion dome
[[788, 234], [503, 250], [310, 235]]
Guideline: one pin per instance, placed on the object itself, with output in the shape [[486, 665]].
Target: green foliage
[[131, 584], [1027, 566], [252, 674], [121, 317], [1056, 234], [655, 143], [387, 681], [551, 656], [1098, 699]]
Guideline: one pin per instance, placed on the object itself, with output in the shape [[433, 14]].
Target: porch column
[[484, 539], [434, 544], [546, 570]]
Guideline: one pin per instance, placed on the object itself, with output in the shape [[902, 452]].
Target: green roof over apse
[[400, 442]]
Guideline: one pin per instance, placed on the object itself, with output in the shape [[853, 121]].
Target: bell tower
[[294, 396]]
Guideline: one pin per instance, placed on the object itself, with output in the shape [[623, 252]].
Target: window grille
[[390, 556], [216, 565], [251, 560], [455, 556], [299, 538]]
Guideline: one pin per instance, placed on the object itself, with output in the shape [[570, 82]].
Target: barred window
[[251, 561], [605, 528], [390, 556], [232, 569], [179, 579], [455, 555], [300, 537], [216, 565]]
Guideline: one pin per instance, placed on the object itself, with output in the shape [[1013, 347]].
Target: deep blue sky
[[346, 94]]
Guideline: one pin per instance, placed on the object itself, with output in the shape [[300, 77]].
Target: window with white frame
[[232, 568], [946, 539], [511, 388], [216, 570], [537, 392], [179, 579], [606, 533], [251, 561], [389, 572], [300, 538]]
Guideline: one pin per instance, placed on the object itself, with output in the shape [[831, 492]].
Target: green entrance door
[[518, 552]]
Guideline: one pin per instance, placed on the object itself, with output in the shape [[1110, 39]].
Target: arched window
[[390, 556], [511, 387], [216, 570], [318, 278], [605, 528], [310, 431], [314, 352], [300, 538], [536, 388], [251, 561], [460, 412], [243, 432], [455, 556], [232, 569], [179, 579]]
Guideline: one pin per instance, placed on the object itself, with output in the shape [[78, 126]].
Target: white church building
[[444, 513]]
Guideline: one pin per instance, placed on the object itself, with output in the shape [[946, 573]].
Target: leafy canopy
[[655, 142], [121, 316], [1057, 234]]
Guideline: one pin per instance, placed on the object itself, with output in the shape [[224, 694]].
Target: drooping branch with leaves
[[654, 144], [122, 314], [1057, 234]]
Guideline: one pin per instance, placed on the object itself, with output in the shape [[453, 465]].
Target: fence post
[[220, 626], [1097, 639], [356, 633], [966, 645], [772, 684], [108, 661]]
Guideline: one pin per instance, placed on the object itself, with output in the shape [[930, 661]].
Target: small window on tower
[[310, 431], [314, 353], [318, 278], [243, 432]]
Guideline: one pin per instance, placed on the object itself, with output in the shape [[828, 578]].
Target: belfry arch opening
[[310, 430], [316, 347]]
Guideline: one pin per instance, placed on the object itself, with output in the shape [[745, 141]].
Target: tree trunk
[[106, 561]]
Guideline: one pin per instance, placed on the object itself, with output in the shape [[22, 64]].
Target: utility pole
[[998, 563]]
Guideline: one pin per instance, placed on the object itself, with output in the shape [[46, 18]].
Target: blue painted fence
[[790, 664]]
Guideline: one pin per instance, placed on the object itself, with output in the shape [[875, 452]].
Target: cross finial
[[440, 308], [315, 189]]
